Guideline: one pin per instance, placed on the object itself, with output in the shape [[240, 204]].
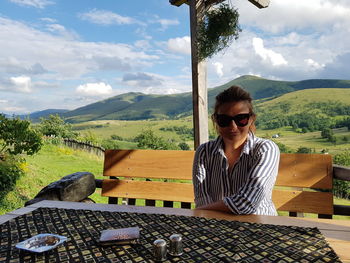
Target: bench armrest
[[343, 210], [341, 172]]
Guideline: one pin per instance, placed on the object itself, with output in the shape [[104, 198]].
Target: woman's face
[[233, 132]]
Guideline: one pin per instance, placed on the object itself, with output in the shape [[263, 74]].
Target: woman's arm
[[219, 206], [199, 177]]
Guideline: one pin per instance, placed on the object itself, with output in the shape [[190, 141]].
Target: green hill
[[310, 100], [139, 106]]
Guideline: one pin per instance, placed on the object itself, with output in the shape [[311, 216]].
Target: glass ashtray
[[41, 242]]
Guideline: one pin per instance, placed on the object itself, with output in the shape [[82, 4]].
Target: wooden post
[[199, 78]]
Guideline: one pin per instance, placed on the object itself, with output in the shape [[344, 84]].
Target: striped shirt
[[247, 188]]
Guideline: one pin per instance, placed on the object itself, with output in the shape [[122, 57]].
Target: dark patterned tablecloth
[[205, 240]]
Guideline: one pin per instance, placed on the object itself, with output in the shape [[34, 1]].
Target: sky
[[64, 54]]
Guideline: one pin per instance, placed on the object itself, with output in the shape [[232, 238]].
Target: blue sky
[[64, 54]]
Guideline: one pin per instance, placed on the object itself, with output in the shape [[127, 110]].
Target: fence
[[84, 146]]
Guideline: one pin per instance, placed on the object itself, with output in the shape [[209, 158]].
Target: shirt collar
[[248, 145]]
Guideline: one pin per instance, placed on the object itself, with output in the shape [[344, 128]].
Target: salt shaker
[[159, 250], [176, 247]]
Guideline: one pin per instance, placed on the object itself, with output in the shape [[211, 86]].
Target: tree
[[304, 150], [184, 146], [326, 133], [16, 137], [148, 140], [55, 126], [283, 148]]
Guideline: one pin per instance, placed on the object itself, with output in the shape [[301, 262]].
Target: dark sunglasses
[[224, 120]]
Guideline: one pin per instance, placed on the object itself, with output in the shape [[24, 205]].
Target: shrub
[[148, 140], [55, 126], [10, 171], [304, 150], [184, 146]]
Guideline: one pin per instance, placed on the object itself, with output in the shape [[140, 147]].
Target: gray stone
[[73, 187]]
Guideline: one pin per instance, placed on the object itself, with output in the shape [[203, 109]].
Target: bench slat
[[153, 190], [305, 170], [284, 200], [169, 164], [302, 201]]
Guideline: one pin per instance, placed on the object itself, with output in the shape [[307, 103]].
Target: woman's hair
[[234, 94]]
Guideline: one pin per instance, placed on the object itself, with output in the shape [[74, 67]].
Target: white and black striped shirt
[[247, 188]]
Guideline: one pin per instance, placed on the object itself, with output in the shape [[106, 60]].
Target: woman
[[237, 171]]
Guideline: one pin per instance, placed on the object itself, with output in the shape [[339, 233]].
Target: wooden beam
[[178, 2], [260, 3], [199, 78]]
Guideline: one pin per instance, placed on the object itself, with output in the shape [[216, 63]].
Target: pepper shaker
[[176, 246], [159, 250]]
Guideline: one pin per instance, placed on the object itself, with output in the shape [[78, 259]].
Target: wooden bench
[[304, 183]]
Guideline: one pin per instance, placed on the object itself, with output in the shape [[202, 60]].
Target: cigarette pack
[[120, 236]]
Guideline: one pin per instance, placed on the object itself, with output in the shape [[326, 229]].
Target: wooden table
[[336, 232]]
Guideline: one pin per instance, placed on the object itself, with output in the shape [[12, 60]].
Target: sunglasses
[[224, 120]]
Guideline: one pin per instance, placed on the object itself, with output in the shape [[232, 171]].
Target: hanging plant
[[218, 28]]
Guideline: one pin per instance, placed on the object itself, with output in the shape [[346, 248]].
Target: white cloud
[[218, 69], [33, 3], [94, 89], [61, 30], [21, 84], [168, 22], [273, 57], [143, 44], [48, 20], [63, 58], [165, 23], [282, 15], [104, 17], [180, 45], [313, 64]]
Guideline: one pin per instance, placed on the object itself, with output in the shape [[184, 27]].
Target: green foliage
[[304, 121], [304, 150], [55, 126], [116, 137], [185, 132], [110, 144], [342, 188], [184, 146], [10, 171], [283, 148], [16, 137], [217, 30], [90, 137], [327, 133], [148, 140]]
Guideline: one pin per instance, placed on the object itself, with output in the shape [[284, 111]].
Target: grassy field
[[50, 164], [129, 129], [311, 140]]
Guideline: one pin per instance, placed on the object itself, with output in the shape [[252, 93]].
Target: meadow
[[129, 129]]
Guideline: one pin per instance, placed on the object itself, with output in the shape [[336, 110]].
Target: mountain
[[35, 116], [138, 106]]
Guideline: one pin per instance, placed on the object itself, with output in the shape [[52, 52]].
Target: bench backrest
[[304, 181]]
